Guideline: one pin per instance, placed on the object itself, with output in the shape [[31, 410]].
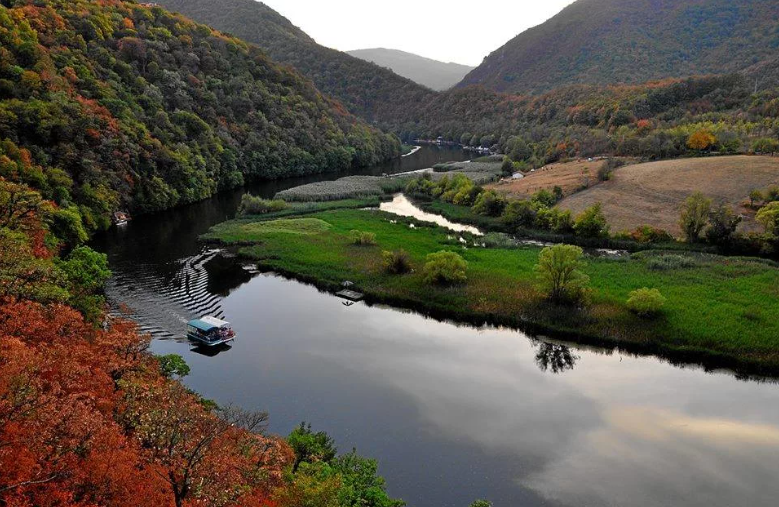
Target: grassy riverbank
[[721, 309]]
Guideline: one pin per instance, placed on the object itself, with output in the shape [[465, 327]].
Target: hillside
[[653, 193], [366, 89], [633, 41], [113, 105], [425, 71]]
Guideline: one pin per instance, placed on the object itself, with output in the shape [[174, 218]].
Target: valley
[[548, 281]]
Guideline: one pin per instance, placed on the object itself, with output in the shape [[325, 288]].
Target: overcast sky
[[449, 30]]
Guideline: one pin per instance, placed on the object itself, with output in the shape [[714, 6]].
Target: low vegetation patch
[[351, 187], [646, 303], [361, 238], [704, 293], [397, 262], [251, 205], [445, 268]]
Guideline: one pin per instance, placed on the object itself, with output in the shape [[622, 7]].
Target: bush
[[251, 205], [592, 223], [489, 203], [723, 222], [555, 220], [445, 268], [519, 214], [645, 302], [667, 262], [769, 218], [361, 238], [397, 262], [498, 240], [607, 169], [560, 267], [648, 234]]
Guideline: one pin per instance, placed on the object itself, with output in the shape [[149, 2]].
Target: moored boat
[[210, 331]]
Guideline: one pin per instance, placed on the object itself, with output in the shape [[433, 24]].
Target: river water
[[452, 413]]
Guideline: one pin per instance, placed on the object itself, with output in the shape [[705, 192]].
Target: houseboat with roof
[[210, 331]]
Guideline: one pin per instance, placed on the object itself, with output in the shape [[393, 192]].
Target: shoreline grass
[[720, 311]]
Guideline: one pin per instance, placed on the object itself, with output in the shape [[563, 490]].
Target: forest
[[113, 105]]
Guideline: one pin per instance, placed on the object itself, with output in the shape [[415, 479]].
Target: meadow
[[719, 309]]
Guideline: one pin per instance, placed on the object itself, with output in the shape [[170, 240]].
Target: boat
[[210, 331]]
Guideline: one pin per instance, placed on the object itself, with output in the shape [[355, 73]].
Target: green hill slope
[[367, 90], [633, 41], [107, 105]]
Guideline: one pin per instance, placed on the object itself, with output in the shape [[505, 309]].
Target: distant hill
[[366, 89], [633, 41], [425, 71]]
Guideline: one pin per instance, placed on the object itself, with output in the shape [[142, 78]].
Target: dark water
[[452, 413]]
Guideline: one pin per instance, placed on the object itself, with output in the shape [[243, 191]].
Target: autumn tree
[[701, 140]]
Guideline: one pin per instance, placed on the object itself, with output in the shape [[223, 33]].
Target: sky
[[448, 30]]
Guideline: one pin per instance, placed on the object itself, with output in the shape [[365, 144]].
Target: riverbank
[[719, 310]]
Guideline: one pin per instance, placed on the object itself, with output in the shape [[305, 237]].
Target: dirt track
[[652, 194]]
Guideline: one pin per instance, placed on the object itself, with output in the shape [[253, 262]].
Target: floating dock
[[351, 295]]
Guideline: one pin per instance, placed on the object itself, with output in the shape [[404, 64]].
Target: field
[[570, 176], [652, 194], [718, 308]]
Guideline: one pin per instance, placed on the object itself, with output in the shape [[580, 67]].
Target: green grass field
[[721, 309]]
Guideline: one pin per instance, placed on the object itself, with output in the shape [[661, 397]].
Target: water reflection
[[482, 409], [401, 206], [554, 357]]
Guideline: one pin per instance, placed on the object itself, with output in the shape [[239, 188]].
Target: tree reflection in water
[[554, 357]]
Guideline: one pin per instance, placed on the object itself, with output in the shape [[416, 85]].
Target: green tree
[[173, 365], [755, 196], [723, 222], [310, 447], [360, 483], [694, 216], [766, 145], [481, 503], [445, 268], [489, 203], [591, 223], [768, 216], [519, 214], [559, 268]]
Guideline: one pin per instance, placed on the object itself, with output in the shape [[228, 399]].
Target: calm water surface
[[452, 413]]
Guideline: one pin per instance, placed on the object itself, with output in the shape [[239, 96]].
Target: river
[[452, 413]]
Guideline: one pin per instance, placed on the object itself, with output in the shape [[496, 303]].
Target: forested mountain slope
[[366, 89], [425, 71], [633, 41], [114, 105]]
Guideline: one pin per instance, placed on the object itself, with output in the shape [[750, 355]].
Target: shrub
[[769, 218], [694, 215], [755, 196], [251, 205], [397, 262], [361, 238], [645, 302], [592, 222], [722, 225], [649, 234], [606, 171], [667, 262], [555, 220], [519, 214], [489, 203], [445, 268], [498, 240], [559, 268], [545, 198]]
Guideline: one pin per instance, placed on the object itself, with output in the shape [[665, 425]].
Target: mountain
[[117, 105], [366, 89], [633, 41], [425, 71]]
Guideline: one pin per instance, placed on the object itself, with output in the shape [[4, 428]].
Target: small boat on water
[[210, 331]]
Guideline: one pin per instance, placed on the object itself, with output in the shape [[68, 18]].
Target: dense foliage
[[632, 41], [111, 105], [366, 89]]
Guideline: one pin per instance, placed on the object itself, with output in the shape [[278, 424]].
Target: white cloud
[[453, 30]]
